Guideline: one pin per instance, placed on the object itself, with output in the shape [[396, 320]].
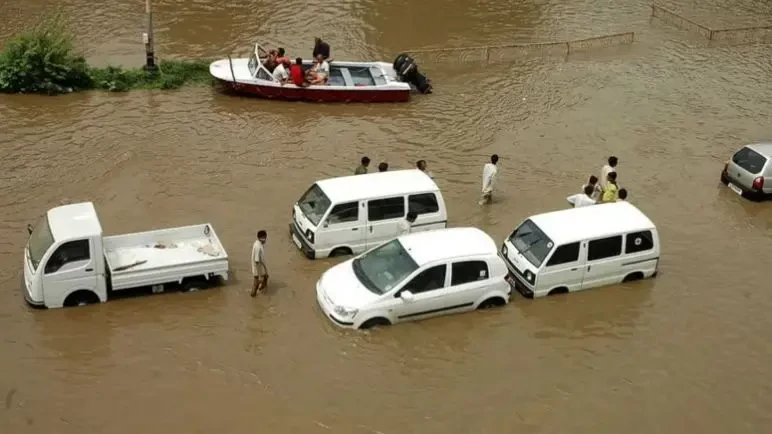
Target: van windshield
[[382, 269], [531, 242], [314, 203], [39, 242], [749, 160]]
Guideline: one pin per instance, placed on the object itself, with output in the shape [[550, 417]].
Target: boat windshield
[[382, 269], [253, 64], [39, 242], [531, 242], [314, 204]]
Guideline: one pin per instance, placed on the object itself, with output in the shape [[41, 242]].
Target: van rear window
[[639, 242], [749, 160]]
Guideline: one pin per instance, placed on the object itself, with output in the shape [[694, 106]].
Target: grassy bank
[[44, 60]]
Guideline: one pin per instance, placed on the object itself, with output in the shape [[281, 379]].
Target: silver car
[[749, 172]]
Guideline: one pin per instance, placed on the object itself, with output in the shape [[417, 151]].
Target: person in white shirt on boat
[[582, 199], [490, 171], [320, 72], [280, 73]]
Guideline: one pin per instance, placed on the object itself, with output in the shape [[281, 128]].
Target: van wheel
[[340, 251], [191, 285], [558, 291], [632, 277], [491, 303], [81, 298], [375, 322]]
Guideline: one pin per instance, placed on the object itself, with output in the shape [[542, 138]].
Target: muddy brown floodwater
[[687, 352]]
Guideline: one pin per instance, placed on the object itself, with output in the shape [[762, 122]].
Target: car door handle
[[371, 229], [89, 269], [588, 268], [355, 229], [574, 269]]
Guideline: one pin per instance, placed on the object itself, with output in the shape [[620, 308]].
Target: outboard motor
[[407, 71]]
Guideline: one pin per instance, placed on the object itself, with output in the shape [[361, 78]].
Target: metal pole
[[150, 65]]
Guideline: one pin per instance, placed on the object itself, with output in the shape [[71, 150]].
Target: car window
[[424, 203], [468, 271], [639, 242], [604, 248], [427, 280], [565, 254], [344, 212], [386, 209], [749, 160], [72, 251], [531, 242]]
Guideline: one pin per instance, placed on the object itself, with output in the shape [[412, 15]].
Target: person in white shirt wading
[[406, 225], [489, 179], [608, 168], [583, 199], [259, 270]]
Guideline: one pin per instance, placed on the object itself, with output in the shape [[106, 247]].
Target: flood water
[[686, 352]]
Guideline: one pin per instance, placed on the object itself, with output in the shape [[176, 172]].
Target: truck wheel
[[81, 298], [193, 285]]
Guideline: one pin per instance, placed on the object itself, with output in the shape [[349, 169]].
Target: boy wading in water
[[489, 179], [259, 270]]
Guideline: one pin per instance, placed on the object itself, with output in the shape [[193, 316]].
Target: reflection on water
[[690, 343]]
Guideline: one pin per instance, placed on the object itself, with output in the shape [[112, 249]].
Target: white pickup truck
[[67, 261]]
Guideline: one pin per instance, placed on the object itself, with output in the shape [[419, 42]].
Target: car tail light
[[758, 183]]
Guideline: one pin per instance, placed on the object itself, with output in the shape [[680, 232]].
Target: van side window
[[565, 254], [604, 248], [72, 251], [344, 212], [639, 242], [424, 203], [385, 209], [428, 280], [469, 271]]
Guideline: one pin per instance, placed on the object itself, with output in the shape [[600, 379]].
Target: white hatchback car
[[416, 276]]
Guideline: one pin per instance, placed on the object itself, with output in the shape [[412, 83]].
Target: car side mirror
[[406, 296], [29, 228]]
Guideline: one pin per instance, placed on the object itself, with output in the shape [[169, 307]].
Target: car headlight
[[504, 250], [310, 236], [530, 277], [345, 312]]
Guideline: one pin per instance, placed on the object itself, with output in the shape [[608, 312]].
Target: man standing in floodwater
[[383, 167], [608, 168], [421, 165], [490, 171], [362, 169], [259, 270], [405, 226]]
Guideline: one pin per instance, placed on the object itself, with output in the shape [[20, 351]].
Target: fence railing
[[739, 34]]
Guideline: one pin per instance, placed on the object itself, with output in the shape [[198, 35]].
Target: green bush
[[43, 60]]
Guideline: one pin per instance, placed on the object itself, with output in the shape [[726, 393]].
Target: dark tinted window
[[565, 254], [469, 271], [639, 242], [604, 248], [344, 212], [425, 203], [385, 209], [749, 160], [428, 280], [68, 252]]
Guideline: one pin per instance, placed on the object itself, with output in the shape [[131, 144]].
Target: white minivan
[[351, 214], [582, 248]]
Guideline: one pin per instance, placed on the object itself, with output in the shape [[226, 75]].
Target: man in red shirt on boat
[[297, 75]]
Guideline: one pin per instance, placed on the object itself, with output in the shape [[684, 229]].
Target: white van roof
[[444, 244], [374, 185], [77, 220], [594, 221]]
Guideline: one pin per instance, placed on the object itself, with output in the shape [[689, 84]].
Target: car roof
[[445, 244], [375, 185], [77, 220], [590, 222], [764, 148]]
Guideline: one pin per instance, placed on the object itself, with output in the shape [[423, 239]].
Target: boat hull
[[292, 93]]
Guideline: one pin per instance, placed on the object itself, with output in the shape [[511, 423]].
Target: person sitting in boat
[[281, 57], [320, 72], [321, 47], [270, 61], [297, 75], [280, 73]]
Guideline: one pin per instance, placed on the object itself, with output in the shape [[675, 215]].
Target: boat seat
[[336, 78]]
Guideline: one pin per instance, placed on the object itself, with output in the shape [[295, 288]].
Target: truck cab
[[63, 259]]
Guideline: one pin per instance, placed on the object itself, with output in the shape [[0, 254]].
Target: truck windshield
[[382, 269], [314, 203], [749, 160], [39, 242], [531, 242]]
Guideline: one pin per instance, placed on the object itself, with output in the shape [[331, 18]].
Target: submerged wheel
[[632, 277], [557, 291], [340, 251], [190, 285], [491, 303], [81, 298], [375, 322]]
